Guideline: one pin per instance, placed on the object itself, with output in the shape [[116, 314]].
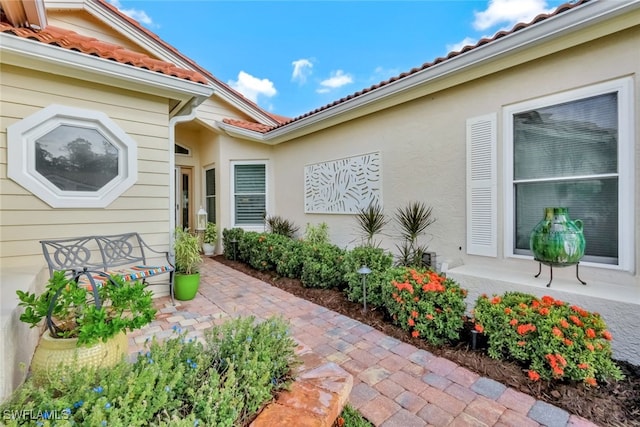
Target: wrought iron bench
[[119, 254]]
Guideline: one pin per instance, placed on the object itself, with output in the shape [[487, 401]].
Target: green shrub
[[317, 234], [288, 256], [253, 250], [263, 352], [282, 226], [427, 304], [180, 382], [262, 251], [228, 236], [378, 261], [323, 266], [555, 340]]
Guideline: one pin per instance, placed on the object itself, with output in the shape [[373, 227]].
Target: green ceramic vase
[[557, 240]]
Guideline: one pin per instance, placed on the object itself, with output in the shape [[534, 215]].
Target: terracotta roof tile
[[256, 127], [560, 9], [71, 40]]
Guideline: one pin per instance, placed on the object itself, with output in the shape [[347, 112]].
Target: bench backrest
[[121, 249], [93, 252]]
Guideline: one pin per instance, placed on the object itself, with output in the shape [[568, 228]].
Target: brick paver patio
[[395, 384]]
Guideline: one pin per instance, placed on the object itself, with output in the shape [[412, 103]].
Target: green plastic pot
[[186, 286]]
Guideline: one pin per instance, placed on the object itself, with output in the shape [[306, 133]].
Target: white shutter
[[482, 186]]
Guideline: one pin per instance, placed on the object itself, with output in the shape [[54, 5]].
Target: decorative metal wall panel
[[342, 186]]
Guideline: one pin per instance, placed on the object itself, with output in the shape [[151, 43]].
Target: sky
[[293, 56]]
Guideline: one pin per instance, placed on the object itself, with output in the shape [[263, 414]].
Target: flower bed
[[554, 339], [179, 382]]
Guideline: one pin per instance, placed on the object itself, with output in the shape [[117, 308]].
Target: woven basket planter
[[52, 352]]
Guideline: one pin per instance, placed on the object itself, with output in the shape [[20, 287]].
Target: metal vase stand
[[552, 264]]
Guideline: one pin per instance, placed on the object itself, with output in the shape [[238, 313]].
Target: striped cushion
[[138, 272], [129, 274]]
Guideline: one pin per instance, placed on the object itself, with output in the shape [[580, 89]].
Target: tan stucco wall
[[423, 149], [232, 150], [25, 219], [422, 143]]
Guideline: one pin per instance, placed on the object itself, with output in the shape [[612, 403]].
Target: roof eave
[[400, 91], [244, 134], [40, 56]]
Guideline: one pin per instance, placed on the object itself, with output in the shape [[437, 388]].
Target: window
[[179, 149], [574, 150], [249, 193], [210, 194], [71, 157]]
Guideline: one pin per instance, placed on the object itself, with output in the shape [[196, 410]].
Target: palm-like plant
[[282, 226], [371, 221], [413, 219]]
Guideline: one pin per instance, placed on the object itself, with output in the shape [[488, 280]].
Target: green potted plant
[[86, 316], [209, 239], [187, 256]]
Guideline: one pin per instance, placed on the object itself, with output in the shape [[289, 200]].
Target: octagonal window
[[71, 157], [76, 159]]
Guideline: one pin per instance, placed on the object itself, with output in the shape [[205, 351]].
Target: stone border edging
[[316, 397]]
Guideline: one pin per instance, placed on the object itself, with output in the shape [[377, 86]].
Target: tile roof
[[560, 9], [71, 40], [257, 127]]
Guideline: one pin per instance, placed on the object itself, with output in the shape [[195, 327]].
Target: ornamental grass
[[554, 340]]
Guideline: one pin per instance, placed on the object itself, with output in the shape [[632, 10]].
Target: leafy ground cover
[[609, 404], [224, 381]]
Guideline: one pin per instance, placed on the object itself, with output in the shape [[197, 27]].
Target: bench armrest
[[165, 253]]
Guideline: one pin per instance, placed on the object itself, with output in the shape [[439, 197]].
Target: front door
[[184, 196]]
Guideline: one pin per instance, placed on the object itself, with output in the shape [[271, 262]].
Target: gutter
[[187, 114], [40, 56]]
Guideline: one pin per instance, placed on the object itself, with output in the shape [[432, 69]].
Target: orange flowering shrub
[[428, 305], [554, 339]]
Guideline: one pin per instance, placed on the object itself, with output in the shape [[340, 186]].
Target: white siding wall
[[25, 219]]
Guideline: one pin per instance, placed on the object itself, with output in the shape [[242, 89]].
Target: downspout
[[187, 114]]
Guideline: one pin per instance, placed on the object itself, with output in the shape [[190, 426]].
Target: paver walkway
[[395, 384]]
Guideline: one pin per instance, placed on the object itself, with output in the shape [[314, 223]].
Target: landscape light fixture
[[364, 271]]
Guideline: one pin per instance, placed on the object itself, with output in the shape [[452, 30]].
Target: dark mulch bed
[[612, 404]]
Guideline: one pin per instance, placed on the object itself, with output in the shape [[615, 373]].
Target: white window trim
[[187, 154], [204, 186], [232, 204], [21, 138], [626, 166]]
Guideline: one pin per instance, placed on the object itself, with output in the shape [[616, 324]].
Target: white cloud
[[139, 15], [381, 74], [509, 12], [302, 68], [468, 41], [253, 87], [338, 79]]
